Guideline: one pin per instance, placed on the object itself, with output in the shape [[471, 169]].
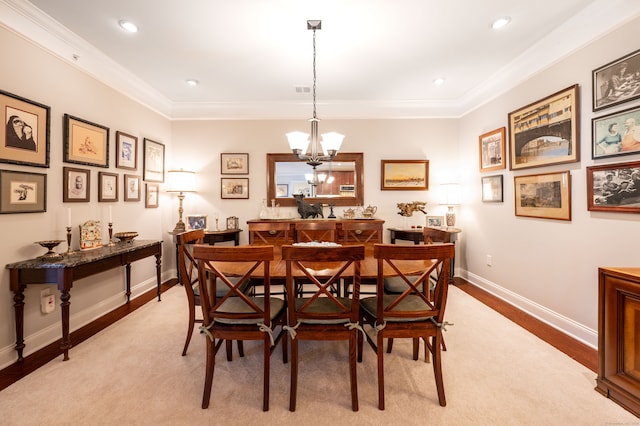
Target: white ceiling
[[375, 58]]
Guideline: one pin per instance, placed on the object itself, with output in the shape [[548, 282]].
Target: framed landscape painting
[[26, 139], [85, 142], [546, 195], [546, 132], [492, 150], [614, 187], [405, 175]]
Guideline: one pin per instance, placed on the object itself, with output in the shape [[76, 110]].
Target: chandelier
[[299, 141]]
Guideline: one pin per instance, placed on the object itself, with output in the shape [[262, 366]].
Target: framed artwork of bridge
[[546, 132]]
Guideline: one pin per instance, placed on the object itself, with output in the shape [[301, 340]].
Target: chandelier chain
[[314, 74]]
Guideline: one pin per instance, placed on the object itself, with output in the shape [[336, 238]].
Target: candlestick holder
[[69, 249], [111, 243]]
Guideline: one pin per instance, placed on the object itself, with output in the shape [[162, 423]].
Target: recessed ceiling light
[[500, 23], [192, 82], [128, 26], [439, 81]]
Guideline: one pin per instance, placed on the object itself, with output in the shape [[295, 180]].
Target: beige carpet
[[132, 374]]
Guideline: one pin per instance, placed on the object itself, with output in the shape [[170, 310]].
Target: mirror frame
[[356, 157]]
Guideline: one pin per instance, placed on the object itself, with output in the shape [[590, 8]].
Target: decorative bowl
[[49, 245], [127, 237]]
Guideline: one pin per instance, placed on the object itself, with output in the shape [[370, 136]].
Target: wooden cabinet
[[281, 231], [619, 336]]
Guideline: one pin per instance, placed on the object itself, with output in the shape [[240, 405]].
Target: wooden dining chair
[[236, 315], [189, 279], [412, 313], [323, 231], [323, 316]]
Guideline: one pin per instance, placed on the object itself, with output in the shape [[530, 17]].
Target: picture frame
[[22, 192], [492, 189], [131, 188], [492, 150], [76, 185], [151, 195], [616, 134], [616, 82], [85, 142], [153, 161], [126, 151], [28, 141], [404, 175], [435, 221], [197, 221], [232, 222], [546, 132], [545, 195], [282, 190], [617, 195], [237, 188], [107, 187], [234, 163]]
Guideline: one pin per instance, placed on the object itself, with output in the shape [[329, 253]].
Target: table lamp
[[181, 181]]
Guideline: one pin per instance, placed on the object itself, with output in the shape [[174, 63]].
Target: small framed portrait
[[405, 175], [151, 195], [76, 185], [435, 221], [616, 134], [22, 192], [132, 188], [153, 170], [492, 189], [282, 190], [26, 138], [197, 221], [234, 188], [492, 150], [234, 164], [126, 151], [614, 188], [616, 82], [232, 222], [85, 142], [107, 187], [546, 195]]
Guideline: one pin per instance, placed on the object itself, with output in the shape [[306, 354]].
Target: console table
[[71, 267], [212, 237]]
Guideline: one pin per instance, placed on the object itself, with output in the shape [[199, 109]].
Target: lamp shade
[[298, 141], [181, 181], [331, 141], [450, 194]]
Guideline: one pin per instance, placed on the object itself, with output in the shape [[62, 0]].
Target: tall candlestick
[[69, 217]]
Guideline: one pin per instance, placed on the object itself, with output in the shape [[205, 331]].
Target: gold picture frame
[[85, 142], [546, 195], [492, 150], [26, 139], [404, 175]]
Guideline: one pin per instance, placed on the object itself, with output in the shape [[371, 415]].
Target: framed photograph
[[232, 222], [85, 142], [492, 189], [405, 175], [546, 132], [26, 139], [435, 221], [546, 195], [107, 187], [76, 185], [616, 82], [126, 151], [616, 134], [234, 164], [282, 190], [197, 221], [153, 170], [492, 150], [151, 195], [131, 188], [614, 188], [22, 192], [234, 188]]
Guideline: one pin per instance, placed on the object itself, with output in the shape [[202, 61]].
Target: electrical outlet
[[47, 302], [489, 260], [44, 292]]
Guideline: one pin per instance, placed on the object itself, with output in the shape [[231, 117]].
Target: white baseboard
[[566, 325]]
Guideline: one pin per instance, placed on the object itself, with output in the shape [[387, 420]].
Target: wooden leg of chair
[[285, 350], [416, 348], [267, 368], [229, 347], [208, 376], [437, 367], [192, 322], [293, 391], [360, 343], [444, 346], [389, 345], [353, 377], [240, 348], [380, 353]]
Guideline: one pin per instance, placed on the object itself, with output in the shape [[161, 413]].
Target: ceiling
[[375, 58]]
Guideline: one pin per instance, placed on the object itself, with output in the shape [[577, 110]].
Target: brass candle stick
[[111, 243], [69, 249]]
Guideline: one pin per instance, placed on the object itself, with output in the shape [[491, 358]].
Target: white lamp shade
[[331, 141], [450, 194], [181, 181], [298, 140]]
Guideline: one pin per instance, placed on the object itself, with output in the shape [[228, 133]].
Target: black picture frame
[[624, 139], [85, 142], [76, 185], [492, 189], [107, 187], [153, 167], [22, 192], [616, 82]]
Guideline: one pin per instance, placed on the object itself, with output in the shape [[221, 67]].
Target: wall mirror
[[339, 182]]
